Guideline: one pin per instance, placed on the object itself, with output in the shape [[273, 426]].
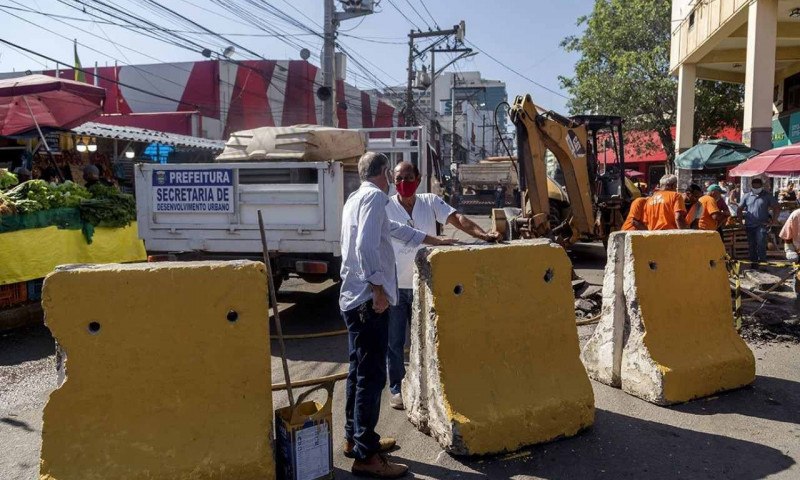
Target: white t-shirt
[[428, 210]]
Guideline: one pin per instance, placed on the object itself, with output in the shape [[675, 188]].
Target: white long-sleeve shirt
[[367, 253]]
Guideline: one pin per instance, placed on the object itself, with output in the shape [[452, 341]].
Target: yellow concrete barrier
[[494, 356], [167, 373], [667, 333]]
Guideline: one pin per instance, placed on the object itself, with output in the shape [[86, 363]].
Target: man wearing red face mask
[[421, 211]]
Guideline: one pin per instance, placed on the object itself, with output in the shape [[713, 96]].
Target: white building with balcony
[[750, 42]]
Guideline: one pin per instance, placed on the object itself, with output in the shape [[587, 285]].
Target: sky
[[521, 34]]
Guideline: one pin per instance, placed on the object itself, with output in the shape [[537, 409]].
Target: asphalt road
[[751, 433]]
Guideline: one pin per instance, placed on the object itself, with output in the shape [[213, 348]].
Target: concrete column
[[687, 74], [762, 26]]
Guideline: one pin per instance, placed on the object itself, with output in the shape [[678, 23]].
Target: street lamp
[[81, 147], [129, 153], [92, 147]]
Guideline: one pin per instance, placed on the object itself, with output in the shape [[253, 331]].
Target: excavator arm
[[538, 132]]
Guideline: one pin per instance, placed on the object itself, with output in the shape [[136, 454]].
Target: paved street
[[747, 434]]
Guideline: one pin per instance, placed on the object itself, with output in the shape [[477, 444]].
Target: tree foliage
[[624, 70]]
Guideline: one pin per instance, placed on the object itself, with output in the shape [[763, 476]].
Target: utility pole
[[458, 30], [327, 93], [328, 62], [483, 142], [453, 115]]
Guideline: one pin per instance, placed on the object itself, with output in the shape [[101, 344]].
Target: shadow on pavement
[[768, 397], [17, 424], [420, 470], [619, 446], [25, 345], [310, 311]]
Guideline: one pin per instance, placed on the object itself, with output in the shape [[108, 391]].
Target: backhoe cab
[[597, 199]]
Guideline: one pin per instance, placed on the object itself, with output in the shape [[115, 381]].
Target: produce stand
[[45, 225]]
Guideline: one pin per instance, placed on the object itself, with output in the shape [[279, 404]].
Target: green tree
[[624, 70]]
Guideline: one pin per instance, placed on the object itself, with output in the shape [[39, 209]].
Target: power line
[[554, 92], [169, 30], [429, 14], [404, 15], [419, 15], [86, 71], [112, 10]]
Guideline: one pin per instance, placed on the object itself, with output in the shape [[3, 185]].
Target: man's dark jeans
[[399, 316], [368, 339], [757, 243]]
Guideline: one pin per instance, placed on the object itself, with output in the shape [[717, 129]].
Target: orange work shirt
[[707, 206], [660, 210], [635, 213]]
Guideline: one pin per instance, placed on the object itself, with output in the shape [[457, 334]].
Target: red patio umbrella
[[778, 162], [36, 101]]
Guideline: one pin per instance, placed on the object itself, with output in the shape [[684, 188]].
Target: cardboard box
[[304, 438]]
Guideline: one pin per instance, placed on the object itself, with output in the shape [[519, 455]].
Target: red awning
[[645, 147]]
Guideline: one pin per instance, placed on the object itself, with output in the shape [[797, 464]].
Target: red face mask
[[406, 189]]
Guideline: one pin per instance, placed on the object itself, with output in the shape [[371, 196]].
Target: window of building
[[691, 20], [791, 93]]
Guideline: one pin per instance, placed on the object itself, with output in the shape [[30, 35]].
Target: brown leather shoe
[[377, 466], [386, 443]]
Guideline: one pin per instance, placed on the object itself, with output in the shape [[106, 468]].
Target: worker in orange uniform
[[706, 210], [635, 220], [665, 210]]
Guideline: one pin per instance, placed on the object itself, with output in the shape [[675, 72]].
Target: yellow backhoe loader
[[597, 196]]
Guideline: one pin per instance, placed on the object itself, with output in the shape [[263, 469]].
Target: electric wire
[[112, 10], [86, 71], [419, 15], [435, 23], [404, 15], [516, 72], [143, 72]]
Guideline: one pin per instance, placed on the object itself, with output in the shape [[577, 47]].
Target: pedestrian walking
[[759, 209], [665, 209], [422, 211], [369, 287]]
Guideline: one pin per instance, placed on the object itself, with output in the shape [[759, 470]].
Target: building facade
[[213, 98], [750, 42], [476, 98]]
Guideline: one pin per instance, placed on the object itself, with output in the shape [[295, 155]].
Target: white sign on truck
[[208, 190]]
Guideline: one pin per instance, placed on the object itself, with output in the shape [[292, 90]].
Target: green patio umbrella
[[714, 154]]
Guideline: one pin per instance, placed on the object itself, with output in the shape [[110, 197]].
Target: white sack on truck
[[309, 143]]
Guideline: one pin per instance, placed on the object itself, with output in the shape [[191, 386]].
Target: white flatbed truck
[[209, 211]]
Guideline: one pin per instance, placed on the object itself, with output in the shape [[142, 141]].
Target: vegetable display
[[71, 194], [7, 179], [108, 207], [100, 205]]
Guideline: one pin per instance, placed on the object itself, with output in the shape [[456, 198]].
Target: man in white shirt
[[369, 287], [421, 211]]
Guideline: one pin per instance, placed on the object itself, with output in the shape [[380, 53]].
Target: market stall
[[63, 215]]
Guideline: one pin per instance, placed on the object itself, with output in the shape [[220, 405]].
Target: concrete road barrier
[[667, 333], [494, 353], [167, 373]]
